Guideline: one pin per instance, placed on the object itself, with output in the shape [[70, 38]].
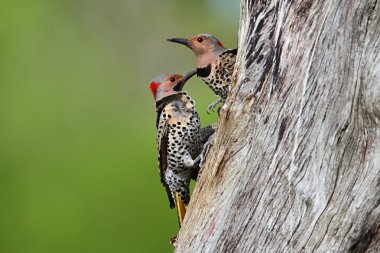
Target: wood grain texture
[[295, 163]]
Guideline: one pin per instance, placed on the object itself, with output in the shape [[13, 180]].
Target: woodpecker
[[215, 63], [178, 137]]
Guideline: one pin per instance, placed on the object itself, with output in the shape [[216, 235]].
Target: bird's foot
[[196, 160], [213, 105]]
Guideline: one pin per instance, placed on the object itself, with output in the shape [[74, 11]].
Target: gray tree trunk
[[295, 164]]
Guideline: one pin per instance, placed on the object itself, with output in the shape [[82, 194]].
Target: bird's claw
[[212, 106]]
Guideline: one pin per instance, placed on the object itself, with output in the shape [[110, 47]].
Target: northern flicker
[[178, 137], [215, 63]]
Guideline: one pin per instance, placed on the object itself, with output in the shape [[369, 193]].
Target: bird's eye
[[200, 40], [172, 79]]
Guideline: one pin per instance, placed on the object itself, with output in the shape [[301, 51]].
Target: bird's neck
[[160, 103], [204, 60], [165, 93]]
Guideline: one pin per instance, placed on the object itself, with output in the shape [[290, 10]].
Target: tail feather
[[181, 209]]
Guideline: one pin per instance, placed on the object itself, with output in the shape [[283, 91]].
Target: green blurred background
[[78, 169]]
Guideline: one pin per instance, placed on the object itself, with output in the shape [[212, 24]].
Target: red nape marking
[[219, 44], [153, 87]]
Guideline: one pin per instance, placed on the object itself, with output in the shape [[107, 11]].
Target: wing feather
[[162, 146]]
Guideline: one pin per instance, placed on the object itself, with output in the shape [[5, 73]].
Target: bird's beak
[[188, 75], [180, 41], [184, 79]]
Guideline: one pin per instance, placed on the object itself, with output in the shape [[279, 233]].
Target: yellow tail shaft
[[181, 209]]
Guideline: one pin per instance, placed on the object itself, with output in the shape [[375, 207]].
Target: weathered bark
[[295, 164]]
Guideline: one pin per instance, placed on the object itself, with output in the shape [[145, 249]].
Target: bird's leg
[[196, 160], [213, 105]]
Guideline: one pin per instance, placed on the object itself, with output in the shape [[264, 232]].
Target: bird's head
[[168, 84], [202, 45]]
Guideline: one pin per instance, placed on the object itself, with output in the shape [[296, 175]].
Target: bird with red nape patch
[[215, 63], [178, 137]]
